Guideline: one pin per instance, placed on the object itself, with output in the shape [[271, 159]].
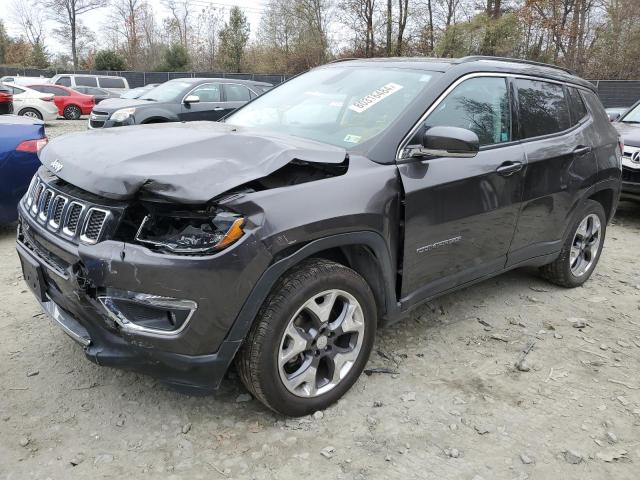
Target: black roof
[[472, 64], [221, 80]]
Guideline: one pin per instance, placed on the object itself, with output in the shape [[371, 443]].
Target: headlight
[[183, 234], [122, 114]]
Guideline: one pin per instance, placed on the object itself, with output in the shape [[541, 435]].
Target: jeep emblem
[[56, 166]]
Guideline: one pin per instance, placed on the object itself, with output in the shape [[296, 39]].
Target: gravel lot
[[457, 408]]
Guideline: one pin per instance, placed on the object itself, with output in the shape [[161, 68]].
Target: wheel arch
[[365, 252], [155, 119]]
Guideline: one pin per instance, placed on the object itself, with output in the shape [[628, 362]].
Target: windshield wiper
[[629, 121], [149, 99]]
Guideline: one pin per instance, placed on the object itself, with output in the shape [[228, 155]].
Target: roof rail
[[347, 59], [473, 58]]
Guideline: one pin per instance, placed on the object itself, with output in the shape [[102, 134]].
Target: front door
[[461, 213], [210, 106]]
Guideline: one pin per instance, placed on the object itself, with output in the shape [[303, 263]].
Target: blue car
[[21, 138]]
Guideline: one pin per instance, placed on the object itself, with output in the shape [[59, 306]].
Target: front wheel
[[310, 340], [581, 250], [72, 112]]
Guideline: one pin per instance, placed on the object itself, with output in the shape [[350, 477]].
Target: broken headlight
[[191, 235]]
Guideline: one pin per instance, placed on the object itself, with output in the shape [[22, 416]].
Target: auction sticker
[[374, 97]]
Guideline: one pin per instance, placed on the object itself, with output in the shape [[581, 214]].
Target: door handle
[[509, 168], [581, 150], [218, 109]]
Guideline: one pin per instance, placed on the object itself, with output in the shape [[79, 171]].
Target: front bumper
[[103, 121], [193, 359]]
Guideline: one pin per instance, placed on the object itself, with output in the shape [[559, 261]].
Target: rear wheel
[[310, 340], [30, 112], [72, 112], [581, 250]]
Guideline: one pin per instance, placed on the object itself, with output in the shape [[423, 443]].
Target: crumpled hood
[[630, 133], [184, 162]]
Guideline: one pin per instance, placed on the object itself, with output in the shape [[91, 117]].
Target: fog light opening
[[145, 313]]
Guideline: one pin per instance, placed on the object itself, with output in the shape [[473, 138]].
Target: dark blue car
[[21, 138]]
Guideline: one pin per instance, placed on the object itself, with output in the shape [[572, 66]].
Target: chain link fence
[[140, 79], [613, 93]]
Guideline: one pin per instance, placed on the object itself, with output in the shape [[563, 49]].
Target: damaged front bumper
[[164, 315]]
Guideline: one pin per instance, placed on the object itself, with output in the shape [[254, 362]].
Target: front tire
[[31, 113], [311, 339], [581, 250], [72, 112]]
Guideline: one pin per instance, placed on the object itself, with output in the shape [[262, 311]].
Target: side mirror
[[613, 116], [191, 99], [447, 142]]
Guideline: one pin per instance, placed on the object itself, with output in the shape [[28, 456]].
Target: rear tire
[[310, 340], [581, 250], [72, 112], [31, 113]]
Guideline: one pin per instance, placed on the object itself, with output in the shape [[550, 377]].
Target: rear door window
[[480, 105], [236, 93], [577, 106], [64, 81], [542, 107], [60, 92], [86, 81], [111, 82]]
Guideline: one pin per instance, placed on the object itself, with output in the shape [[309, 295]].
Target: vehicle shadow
[[628, 214]]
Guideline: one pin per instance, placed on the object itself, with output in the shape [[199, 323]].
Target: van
[[108, 82]]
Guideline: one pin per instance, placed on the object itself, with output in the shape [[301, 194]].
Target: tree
[[176, 59], [109, 60], [39, 57], [125, 21], [18, 53], [180, 19], [4, 42], [66, 13], [233, 40], [31, 19]]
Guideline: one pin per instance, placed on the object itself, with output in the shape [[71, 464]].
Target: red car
[[71, 104], [6, 100]]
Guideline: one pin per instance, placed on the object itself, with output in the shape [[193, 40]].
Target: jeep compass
[[337, 202]]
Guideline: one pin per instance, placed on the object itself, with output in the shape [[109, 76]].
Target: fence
[[140, 79], [613, 93]]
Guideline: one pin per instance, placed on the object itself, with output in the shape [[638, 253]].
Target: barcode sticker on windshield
[[374, 97]]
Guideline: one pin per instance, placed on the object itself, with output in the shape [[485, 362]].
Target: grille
[[93, 225], [630, 175], [65, 215]]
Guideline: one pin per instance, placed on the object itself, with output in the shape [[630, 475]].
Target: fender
[[266, 282]]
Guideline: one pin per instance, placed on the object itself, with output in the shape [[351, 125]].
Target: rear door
[[210, 106], [460, 213], [561, 164], [236, 95]]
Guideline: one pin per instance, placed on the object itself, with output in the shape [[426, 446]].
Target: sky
[[95, 19]]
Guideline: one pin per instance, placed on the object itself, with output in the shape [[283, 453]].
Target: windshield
[[633, 116], [166, 92], [343, 106]]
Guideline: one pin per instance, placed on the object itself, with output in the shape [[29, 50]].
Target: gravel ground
[[457, 408], [56, 128]]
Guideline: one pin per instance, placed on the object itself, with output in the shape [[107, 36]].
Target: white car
[[30, 103]]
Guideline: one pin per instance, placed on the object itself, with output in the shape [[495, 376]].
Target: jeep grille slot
[[93, 225], [46, 203], [36, 199], [57, 209], [73, 217]]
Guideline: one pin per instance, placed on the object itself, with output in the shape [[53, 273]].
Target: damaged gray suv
[[281, 238]]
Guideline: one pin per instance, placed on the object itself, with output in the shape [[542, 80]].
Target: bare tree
[[66, 13], [125, 21], [31, 20], [180, 16]]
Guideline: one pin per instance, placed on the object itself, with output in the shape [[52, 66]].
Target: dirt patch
[[458, 408]]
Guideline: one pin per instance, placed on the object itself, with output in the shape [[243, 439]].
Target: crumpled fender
[[182, 162]]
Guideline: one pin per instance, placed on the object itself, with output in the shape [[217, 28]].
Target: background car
[[99, 94], [178, 100], [20, 80], [139, 91], [6, 100], [116, 84], [628, 126], [21, 139], [70, 104], [615, 113], [31, 103]]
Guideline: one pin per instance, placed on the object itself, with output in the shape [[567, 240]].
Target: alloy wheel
[[321, 343], [586, 243]]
